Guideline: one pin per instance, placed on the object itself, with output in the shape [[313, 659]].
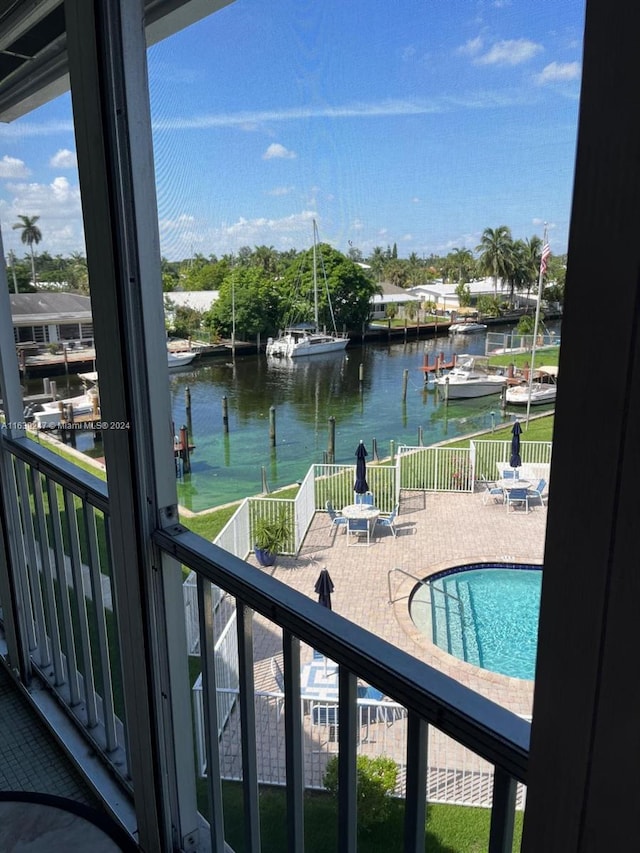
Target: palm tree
[[495, 246], [30, 234], [460, 261]]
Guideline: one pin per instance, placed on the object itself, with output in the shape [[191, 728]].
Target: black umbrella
[[515, 460], [360, 486], [324, 588]]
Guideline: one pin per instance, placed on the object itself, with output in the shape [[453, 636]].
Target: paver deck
[[434, 530]]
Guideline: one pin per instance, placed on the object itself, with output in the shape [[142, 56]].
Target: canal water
[[362, 388]]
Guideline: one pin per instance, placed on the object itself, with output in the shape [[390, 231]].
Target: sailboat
[[307, 338]]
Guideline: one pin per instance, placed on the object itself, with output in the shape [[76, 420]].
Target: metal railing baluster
[[46, 568], [29, 539], [502, 812], [248, 728], [293, 743], [210, 701], [82, 634], [415, 812], [347, 775], [71, 668], [95, 575]]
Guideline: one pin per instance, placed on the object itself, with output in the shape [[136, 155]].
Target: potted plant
[[269, 537]]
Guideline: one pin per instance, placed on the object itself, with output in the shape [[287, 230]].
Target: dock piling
[[405, 381], [331, 449], [225, 414], [272, 425]]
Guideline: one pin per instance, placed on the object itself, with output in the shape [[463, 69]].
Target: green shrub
[[376, 782]]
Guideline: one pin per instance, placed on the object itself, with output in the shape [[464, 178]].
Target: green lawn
[[449, 829]]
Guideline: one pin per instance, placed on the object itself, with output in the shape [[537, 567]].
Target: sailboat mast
[[543, 266], [316, 318]]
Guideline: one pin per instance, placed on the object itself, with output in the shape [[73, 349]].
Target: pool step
[[452, 619], [439, 616], [469, 633]]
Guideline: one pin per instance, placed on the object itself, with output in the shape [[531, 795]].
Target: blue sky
[[418, 123]]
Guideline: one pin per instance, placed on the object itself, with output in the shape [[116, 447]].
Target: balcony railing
[[69, 625]]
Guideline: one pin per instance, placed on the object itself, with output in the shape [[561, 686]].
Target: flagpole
[[543, 267]]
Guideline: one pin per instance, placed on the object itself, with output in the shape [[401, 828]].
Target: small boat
[[53, 414], [307, 338], [180, 359], [470, 378], [466, 328], [543, 389]]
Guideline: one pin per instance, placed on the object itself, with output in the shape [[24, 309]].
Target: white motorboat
[[180, 359], [307, 338], [470, 378], [53, 414], [543, 389], [466, 328]]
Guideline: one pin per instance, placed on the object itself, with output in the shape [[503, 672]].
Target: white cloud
[[278, 191], [511, 52], [471, 48], [415, 200], [181, 239], [558, 72], [11, 167], [64, 159], [277, 151], [58, 206]]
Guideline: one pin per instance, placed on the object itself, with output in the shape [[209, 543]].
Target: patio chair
[[278, 677], [517, 496], [492, 490], [337, 520], [359, 527], [326, 715], [538, 493], [387, 520]]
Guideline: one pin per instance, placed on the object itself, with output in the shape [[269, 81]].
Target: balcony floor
[[30, 759]]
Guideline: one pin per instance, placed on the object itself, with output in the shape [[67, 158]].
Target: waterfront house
[[581, 760], [50, 318]]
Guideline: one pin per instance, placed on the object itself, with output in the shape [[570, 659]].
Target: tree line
[[262, 289]]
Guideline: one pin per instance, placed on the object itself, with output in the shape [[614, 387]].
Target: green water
[[305, 393]]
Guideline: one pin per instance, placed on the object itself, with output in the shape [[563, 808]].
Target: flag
[[546, 251]]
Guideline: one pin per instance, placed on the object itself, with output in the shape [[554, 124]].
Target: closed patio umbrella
[[515, 460], [324, 588], [360, 487]]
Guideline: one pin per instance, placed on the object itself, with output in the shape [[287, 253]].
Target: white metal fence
[[435, 469], [455, 775], [488, 457]]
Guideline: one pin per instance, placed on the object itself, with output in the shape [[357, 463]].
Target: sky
[[417, 123]]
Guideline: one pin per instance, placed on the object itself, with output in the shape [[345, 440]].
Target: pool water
[[486, 615]]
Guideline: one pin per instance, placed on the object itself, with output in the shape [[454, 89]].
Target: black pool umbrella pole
[[515, 460], [360, 487]]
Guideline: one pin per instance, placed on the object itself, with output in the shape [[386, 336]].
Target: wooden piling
[[184, 449], [187, 399], [225, 414], [420, 437], [272, 425], [331, 448], [392, 451], [361, 373], [405, 381]]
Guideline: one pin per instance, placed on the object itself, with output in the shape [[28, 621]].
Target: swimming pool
[[483, 613]]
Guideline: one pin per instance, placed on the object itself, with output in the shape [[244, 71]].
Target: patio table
[[360, 513]]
